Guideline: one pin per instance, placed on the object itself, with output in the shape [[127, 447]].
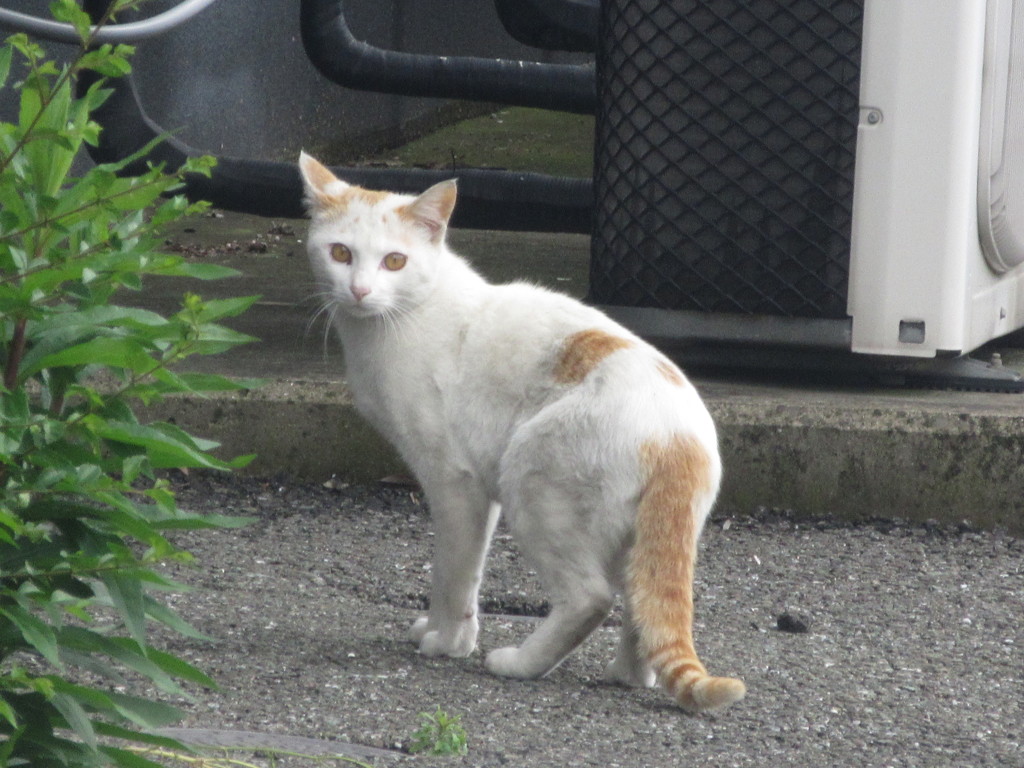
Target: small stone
[[791, 622]]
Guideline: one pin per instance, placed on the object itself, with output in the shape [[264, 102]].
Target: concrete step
[[817, 449]]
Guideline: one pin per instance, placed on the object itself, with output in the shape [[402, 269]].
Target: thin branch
[[15, 353], [143, 230], [71, 71]]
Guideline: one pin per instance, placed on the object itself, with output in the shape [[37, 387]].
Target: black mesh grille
[[726, 132]]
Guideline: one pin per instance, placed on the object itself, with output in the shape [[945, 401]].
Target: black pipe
[[552, 25], [341, 58], [487, 199]]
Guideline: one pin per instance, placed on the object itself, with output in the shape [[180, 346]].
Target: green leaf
[[182, 670], [143, 712], [105, 62], [117, 352], [128, 598], [124, 758], [7, 747], [161, 668], [215, 339], [119, 732], [61, 329], [133, 194], [37, 633], [132, 759], [7, 713], [51, 160], [6, 52], [197, 270], [161, 613], [206, 521], [205, 382], [68, 12], [75, 716], [57, 509], [167, 446], [76, 701], [217, 309]]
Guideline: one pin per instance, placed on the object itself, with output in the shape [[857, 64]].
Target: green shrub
[[84, 514]]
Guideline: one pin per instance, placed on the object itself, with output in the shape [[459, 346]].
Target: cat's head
[[376, 253]]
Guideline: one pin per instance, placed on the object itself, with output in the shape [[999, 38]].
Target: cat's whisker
[[326, 312], [329, 311], [388, 327], [393, 318], [331, 315], [314, 289], [325, 308]]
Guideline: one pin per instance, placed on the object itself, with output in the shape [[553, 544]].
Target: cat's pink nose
[[360, 292]]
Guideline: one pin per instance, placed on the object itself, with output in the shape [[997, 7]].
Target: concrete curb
[[308, 430], [918, 464], [919, 454], [847, 459]]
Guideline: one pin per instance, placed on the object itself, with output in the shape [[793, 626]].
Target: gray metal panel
[[1001, 162], [235, 79]]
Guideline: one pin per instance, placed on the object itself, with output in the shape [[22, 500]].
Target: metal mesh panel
[[726, 132]]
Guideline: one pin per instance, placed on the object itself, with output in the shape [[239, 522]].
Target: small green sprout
[[439, 734]]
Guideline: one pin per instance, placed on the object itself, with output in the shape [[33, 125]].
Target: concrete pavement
[[809, 447]]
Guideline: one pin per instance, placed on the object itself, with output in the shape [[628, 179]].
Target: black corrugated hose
[[488, 199]]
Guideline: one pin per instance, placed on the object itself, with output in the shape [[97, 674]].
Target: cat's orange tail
[[660, 572]]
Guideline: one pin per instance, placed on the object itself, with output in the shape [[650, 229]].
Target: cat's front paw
[[418, 629], [457, 640]]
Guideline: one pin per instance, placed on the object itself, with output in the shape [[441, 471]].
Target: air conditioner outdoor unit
[[842, 175]]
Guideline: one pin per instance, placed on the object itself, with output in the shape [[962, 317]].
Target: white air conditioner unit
[[842, 174], [937, 242]]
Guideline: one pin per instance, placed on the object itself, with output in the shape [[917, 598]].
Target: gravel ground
[[903, 644]]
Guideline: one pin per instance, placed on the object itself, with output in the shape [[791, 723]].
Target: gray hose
[[119, 33]]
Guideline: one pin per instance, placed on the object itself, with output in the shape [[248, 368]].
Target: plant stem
[[69, 73], [48, 223], [16, 352]]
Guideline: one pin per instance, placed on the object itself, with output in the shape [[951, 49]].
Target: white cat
[[594, 446]]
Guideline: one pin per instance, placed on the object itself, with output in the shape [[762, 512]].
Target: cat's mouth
[[361, 309]]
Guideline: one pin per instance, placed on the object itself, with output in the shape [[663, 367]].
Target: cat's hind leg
[[569, 623], [572, 571], [630, 666]]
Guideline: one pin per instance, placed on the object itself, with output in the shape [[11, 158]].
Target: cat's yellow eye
[[340, 253], [395, 261]]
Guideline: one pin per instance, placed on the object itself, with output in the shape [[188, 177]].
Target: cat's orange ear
[[433, 208], [322, 186]]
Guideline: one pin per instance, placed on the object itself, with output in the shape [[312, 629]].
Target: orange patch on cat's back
[[671, 374], [583, 351]]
